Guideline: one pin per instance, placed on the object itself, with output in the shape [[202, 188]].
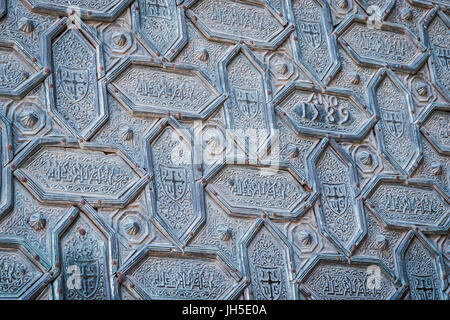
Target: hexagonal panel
[[77, 99], [149, 88], [386, 44], [82, 248], [335, 178], [18, 75], [334, 112], [176, 200], [233, 21], [435, 126], [161, 272], [331, 277], [397, 135], [407, 203], [160, 26], [246, 83], [104, 10], [267, 257], [249, 190], [58, 170], [313, 46], [436, 32], [422, 267]]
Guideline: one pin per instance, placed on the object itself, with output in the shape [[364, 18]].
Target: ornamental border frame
[[134, 109], [412, 67], [191, 252], [36, 190], [89, 35]]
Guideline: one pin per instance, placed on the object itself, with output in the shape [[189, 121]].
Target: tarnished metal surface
[[224, 149]]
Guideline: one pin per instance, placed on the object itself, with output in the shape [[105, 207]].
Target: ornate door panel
[[224, 149]]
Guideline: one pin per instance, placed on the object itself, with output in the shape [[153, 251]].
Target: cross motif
[[394, 122], [247, 100], [443, 56], [74, 83], [157, 8], [336, 196], [444, 127], [270, 282], [312, 33], [424, 289], [174, 182]]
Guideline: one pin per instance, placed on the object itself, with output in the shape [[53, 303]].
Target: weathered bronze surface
[[224, 149]]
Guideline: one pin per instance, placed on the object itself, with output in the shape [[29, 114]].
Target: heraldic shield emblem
[[336, 197], [311, 33], [173, 179], [248, 102], [395, 122], [423, 287], [89, 270], [269, 281], [75, 82]]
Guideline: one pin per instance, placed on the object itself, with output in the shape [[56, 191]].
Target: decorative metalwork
[[224, 149]]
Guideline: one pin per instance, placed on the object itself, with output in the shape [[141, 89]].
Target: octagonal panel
[[397, 135], [161, 272], [60, 171], [313, 46], [335, 178], [385, 44], [407, 203], [248, 190], [331, 277], [149, 88], [233, 21], [160, 26], [77, 99], [104, 10], [334, 113]]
